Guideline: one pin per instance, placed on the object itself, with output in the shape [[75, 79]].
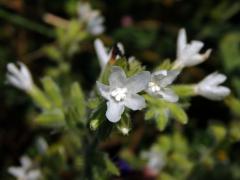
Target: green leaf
[[40, 98], [150, 114], [53, 52], [122, 63], [134, 67], [165, 65], [162, 119], [77, 100], [184, 90], [111, 167], [178, 113], [125, 124], [230, 51], [51, 118], [53, 92]]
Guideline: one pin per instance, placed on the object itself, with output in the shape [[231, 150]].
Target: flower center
[[154, 87], [119, 94]]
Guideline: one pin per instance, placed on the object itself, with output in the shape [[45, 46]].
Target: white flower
[[209, 87], [92, 18], [122, 91], [158, 85], [26, 171], [103, 54], [188, 54], [155, 162], [19, 77], [42, 145]]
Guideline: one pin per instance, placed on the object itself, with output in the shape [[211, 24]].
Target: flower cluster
[[123, 92], [26, 171], [92, 18]]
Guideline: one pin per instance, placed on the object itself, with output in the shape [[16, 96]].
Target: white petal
[[199, 58], [213, 79], [33, 175], [15, 81], [24, 71], [168, 95], [25, 75], [12, 68], [101, 53], [138, 82], [114, 111], [195, 47], [103, 90], [215, 93], [188, 52], [16, 171], [121, 47], [169, 78], [135, 102], [96, 30], [26, 162], [181, 41], [117, 77]]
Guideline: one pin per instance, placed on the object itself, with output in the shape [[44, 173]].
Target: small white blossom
[[92, 18], [26, 171], [42, 145], [209, 87], [122, 91], [188, 54], [103, 54], [155, 161], [158, 85], [19, 77]]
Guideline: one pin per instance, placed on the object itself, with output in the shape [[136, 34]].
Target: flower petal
[[114, 111], [215, 93], [15, 81], [138, 82], [12, 68], [103, 90], [135, 102], [25, 74], [25, 162], [101, 53], [168, 95], [194, 47], [166, 80], [18, 172], [117, 77], [181, 41], [33, 174], [213, 79]]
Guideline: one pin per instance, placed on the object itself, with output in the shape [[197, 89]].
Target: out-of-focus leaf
[[78, 100], [183, 90], [40, 98], [218, 131], [51, 118], [162, 119], [53, 53], [52, 91], [178, 113], [134, 67], [111, 167], [125, 124], [234, 104], [230, 50]]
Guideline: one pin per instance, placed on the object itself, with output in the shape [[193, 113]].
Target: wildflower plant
[[85, 119]]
